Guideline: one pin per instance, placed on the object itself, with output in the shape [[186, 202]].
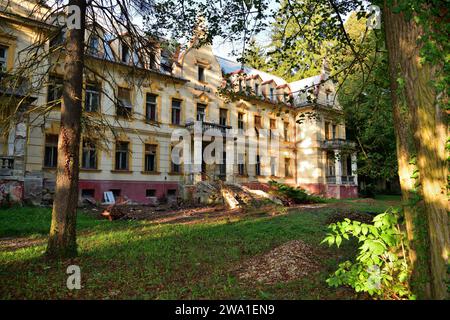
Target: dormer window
[[201, 74], [3, 58], [125, 53], [240, 85], [93, 45], [271, 94], [256, 89]]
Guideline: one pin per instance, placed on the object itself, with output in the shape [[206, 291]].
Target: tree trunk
[[62, 239], [414, 96]]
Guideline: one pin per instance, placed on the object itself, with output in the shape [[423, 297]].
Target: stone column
[[338, 167], [198, 152], [354, 168], [230, 156]]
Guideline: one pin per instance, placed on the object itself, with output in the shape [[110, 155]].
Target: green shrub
[[381, 267], [291, 194]]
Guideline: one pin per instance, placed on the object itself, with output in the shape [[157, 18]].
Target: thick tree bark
[[414, 95], [62, 239]]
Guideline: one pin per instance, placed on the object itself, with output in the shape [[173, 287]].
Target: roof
[[231, 67]]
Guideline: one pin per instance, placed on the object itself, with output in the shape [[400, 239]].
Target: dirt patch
[[11, 244], [290, 261], [363, 217]]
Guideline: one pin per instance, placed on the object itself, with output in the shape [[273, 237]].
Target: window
[[240, 121], [272, 96], [87, 193], [258, 166], [273, 166], [51, 151], [201, 74], [116, 193], [334, 131], [3, 58], [286, 97], [176, 111], [125, 53], [89, 155], [258, 122], [286, 131], [241, 164], [150, 157], [223, 115], [92, 100], [124, 106], [171, 192], [287, 167], [150, 193], [55, 88], [122, 155], [327, 130], [273, 124], [175, 156], [93, 45], [240, 85], [150, 107], [201, 112], [257, 89], [58, 39]]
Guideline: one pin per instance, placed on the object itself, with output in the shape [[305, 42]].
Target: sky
[[223, 49]]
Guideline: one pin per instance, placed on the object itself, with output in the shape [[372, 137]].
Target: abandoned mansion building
[[133, 106]]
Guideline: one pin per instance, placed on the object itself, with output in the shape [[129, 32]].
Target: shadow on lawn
[[162, 261]]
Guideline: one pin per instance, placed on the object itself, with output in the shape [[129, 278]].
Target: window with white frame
[[89, 155], [92, 100]]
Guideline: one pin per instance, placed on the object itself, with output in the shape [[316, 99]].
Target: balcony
[[6, 165], [337, 144], [14, 85], [348, 180], [345, 180], [208, 126]]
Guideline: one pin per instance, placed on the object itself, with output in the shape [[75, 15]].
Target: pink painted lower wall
[[134, 190], [325, 190]]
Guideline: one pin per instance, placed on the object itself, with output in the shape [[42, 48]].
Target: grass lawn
[[144, 260]]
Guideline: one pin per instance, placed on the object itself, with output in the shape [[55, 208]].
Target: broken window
[[150, 107], [89, 155], [124, 105], [150, 157], [176, 111], [51, 151], [122, 155]]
